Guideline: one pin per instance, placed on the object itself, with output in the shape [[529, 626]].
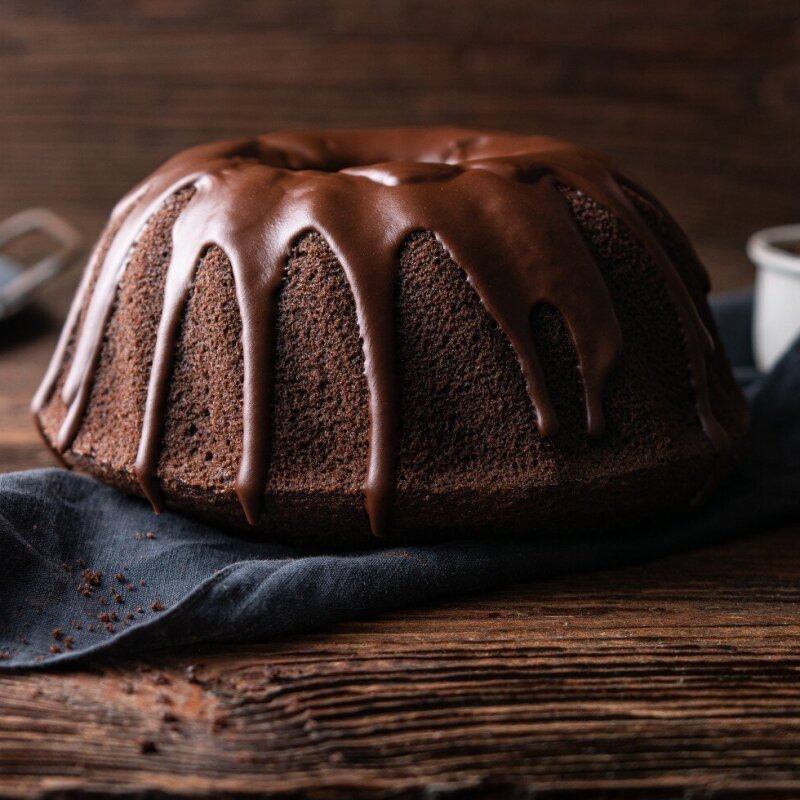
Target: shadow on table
[[25, 326]]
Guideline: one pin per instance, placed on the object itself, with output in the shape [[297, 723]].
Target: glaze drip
[[492, 200]]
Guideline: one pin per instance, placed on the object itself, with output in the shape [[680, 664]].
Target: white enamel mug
[[776, 312]]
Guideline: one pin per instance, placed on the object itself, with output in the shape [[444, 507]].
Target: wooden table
[[678, 679]]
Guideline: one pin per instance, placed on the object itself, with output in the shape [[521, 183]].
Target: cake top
[[492, 200]]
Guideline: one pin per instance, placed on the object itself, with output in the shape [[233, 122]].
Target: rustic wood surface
[[674, 680], [679, 679]]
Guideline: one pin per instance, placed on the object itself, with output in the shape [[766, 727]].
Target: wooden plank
[[674, 679]]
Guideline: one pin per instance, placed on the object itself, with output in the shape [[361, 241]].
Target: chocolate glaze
[[493, 202]]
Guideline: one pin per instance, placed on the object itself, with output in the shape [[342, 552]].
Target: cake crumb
[[94, 576], [91, 580]]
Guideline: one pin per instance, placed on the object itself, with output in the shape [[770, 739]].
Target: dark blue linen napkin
[[86, 570]]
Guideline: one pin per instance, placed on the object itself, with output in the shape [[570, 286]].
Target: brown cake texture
[[243, 389]]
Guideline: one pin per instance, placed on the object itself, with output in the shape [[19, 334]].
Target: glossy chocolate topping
[[493, 202]]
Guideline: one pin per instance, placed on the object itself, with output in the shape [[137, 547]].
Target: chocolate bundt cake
[[328, 337]]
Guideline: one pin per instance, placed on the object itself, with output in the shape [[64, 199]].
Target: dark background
[[699, 100]]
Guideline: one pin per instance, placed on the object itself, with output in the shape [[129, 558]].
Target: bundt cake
[[413, 334]]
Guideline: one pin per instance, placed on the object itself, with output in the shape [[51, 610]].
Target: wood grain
[[671, 680], [699, 100]]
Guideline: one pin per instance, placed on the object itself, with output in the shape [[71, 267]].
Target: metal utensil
[[19, 283]]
